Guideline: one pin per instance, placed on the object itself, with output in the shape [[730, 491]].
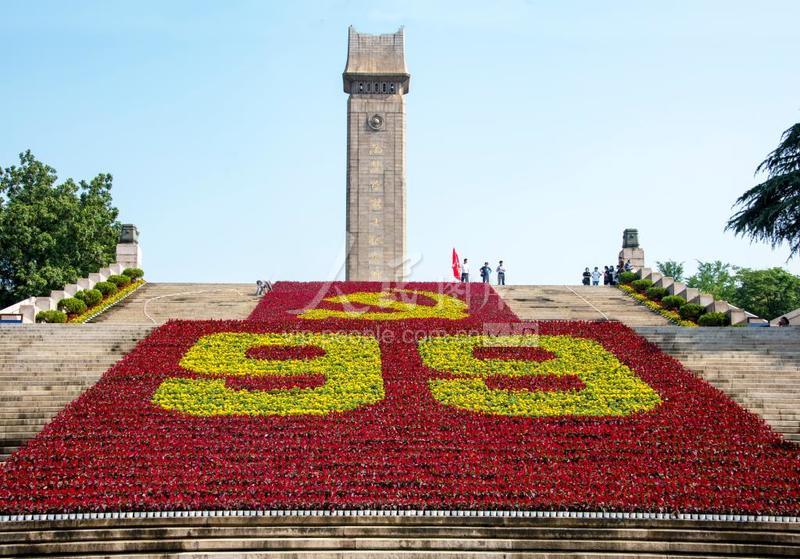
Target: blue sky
[[537, 131]]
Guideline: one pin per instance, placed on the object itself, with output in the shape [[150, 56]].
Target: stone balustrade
[[29, 307], [694, 295]]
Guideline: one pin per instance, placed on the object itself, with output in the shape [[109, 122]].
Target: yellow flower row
[[670, 315], [108, 301]]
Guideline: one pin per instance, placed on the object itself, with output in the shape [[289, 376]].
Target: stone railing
[[129, 255], [736, 315], [29, 307]]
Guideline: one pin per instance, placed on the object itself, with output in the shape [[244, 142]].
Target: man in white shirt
[[596, 275], [501, 274], [465, 271]]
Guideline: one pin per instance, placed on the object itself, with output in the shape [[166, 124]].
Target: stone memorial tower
[[376, 80]]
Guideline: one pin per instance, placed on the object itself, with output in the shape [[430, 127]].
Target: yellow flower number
[[611, 388], [444, 306], [351, 366]]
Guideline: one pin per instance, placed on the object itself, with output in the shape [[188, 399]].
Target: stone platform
[[155, 303], [579, 302]]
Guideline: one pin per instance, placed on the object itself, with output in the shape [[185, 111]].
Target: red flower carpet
[[420, 396]]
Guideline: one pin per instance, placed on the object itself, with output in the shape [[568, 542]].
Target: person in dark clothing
[[587, 276], [486, 271], [606, 275]]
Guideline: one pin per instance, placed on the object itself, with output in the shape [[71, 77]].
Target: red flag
[[456, 265]]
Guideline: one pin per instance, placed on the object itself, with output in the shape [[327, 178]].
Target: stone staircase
[[398, 537], [155, 303], [566, 302], [43, 367], [758, 367]]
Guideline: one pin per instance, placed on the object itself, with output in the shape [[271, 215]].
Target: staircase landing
[[567, 302], [156, 303]]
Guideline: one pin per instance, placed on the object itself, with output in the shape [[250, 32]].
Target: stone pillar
[[129, 253], [376, 80], [631, 249]]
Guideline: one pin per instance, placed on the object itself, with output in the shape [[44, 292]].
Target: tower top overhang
[[371, 57]]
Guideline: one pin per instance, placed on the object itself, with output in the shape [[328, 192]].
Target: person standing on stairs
[[596, 275], [587, 275], [465, 272], [501, 274]]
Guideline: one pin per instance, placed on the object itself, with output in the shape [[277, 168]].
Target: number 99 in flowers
[[351, 365]]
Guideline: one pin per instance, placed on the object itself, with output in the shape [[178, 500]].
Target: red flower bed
[[115, 448]]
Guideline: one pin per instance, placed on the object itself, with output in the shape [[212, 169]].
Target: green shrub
[[673, 302], [52, 317], [119, 280], [692, 311], [133, 273], [92, 297], [627, 277], [714, 319], [657, 293], [641, 285], [80, 295], [106, 288], [72, 305]]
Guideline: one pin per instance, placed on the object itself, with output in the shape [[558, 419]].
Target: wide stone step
[[397, 537]]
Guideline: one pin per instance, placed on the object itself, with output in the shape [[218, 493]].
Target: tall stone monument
[[376, 80]]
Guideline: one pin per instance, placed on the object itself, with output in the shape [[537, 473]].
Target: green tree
[[770, 211], [51, 234], [671, 268], [767, 293], [715, 278]]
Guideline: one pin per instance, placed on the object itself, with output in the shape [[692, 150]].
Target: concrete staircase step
[[396, 537]]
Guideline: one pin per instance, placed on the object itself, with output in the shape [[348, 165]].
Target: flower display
[[384, 305], [481, 412], [608, 387], [350, 363]]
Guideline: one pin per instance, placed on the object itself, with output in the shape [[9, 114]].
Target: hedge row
[[86, 299]]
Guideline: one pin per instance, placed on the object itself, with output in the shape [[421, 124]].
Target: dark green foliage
[[51, 234], [657, 293], [673, 302], [92, 297], [120, 280], [53, 317], [627, 277], [767, 293], [133, 273], [671, 269], [641, 285], [718, 279], [691, 311], [106, 288], [72, 305], [770, 211], [714, 319]]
